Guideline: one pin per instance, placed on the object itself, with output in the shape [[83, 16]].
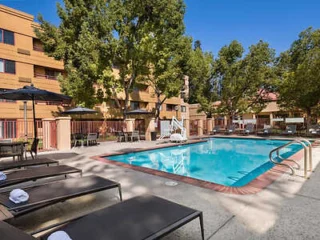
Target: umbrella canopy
[[79, 110], [139, 111], [34, 94]]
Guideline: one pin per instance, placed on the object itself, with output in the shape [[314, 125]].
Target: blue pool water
[[227, 161]]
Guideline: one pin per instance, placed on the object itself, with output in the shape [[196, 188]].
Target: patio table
[[12, 149]]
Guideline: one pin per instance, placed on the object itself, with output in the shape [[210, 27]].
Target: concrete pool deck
[[289, 208]]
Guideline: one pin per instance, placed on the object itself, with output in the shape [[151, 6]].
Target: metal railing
[[307, 149]]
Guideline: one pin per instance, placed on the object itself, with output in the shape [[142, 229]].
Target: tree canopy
[[79, 41], [203, 88], [299, 73]]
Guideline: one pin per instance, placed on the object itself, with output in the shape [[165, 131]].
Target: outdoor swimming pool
[[226, 161]]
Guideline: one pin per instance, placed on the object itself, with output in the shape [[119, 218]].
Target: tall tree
[[245, 81], [79, 41], [168, 51], [203, 87], [298, 68], [144, 32]]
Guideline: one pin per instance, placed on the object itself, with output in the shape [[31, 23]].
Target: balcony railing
[[36, 75]]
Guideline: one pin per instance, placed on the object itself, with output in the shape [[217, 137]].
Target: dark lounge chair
[[265, 131], [36, 173], [50, 193], [143, 217], [230, 129], [290, 130], [26, 163], [215, 130], [8, 232], [249, 129]]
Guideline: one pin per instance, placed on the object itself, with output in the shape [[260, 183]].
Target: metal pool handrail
[[310, 151], [300, 141]]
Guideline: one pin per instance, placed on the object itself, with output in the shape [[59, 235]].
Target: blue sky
[[217, 22]]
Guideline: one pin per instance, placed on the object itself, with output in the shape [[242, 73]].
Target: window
[[8, 128], [51, 74], [37, 45], [7, 66], [134, 105], [183, 108], [6, 37], [171, 107]]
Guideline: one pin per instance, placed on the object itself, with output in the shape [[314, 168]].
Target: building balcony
[[43, 76]]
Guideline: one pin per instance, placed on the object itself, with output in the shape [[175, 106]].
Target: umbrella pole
[[34, 124]]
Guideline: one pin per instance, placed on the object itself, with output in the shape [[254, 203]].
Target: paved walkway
[[287, 209]]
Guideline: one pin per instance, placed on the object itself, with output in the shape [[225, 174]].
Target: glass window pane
[[8, 37], [10, 66], [1, 66], [1, 38]]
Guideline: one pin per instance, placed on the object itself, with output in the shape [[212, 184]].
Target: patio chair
[[135, 135], [121, 137], [77, 138], [142, 217], [33, 148], [249, 129], [36, 173], [48, 194], [314, 130], [27, 163], [290, 130], [92, 139], [267, 130], [230, 129], [215, 130]]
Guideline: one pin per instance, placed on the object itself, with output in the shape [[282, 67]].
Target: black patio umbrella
[[139, 111], [81, 111], [31, 93]]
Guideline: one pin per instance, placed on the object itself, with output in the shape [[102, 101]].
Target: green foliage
[[147, 47], [203, 88], [299, 73], [80, 42], [245, 81]]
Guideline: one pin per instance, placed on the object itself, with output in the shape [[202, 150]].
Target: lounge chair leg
[[120, 193], [201, 225]]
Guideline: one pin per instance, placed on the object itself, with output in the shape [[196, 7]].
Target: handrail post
[[310, 152]]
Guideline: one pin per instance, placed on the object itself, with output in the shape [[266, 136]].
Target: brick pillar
[[271, 119], [209, 125], [63, 133], [187, 126], [225, 122], [150, 127], [129, 124], [200, 127]]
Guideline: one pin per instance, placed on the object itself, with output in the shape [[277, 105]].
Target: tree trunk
[[126, 100], [308, 120]]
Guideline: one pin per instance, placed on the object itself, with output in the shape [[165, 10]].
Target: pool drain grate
[[171, 183]]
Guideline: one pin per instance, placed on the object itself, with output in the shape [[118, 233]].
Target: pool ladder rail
[[307, 148]]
